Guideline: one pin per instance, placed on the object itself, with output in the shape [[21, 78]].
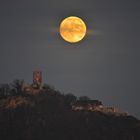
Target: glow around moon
[[72, 29]]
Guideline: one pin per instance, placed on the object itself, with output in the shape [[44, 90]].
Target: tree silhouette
[[48, 87], [16, 87], [85, 98], [70, 99], [4, 90]]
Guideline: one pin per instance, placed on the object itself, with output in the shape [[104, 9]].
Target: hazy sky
[[104, 66]]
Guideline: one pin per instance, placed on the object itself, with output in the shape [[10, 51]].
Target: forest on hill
[[48, 115]]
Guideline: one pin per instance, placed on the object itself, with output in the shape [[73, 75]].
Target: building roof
[[85, 102]]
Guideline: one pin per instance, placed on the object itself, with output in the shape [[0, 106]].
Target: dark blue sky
[[104, 66]]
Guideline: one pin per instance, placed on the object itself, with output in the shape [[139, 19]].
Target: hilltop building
[[86, 105], [96, 106], [37, 80], [36, 86]]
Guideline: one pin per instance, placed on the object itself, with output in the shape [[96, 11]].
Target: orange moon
[[72, 29]]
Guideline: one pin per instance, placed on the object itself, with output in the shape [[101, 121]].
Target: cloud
[[94, 32], [90, 32]]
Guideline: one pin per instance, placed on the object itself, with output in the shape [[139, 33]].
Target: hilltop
[[49, 115]]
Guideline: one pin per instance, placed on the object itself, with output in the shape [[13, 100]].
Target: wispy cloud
[[92, 32]]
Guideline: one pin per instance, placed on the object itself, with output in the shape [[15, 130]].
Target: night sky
[[105, 65]]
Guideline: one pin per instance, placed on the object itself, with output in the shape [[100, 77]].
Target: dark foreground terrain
[[48, 116]]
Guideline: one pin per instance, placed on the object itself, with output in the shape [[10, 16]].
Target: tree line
[[15, 89]]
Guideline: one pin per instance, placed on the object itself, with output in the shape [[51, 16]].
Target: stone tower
[[37, 79]]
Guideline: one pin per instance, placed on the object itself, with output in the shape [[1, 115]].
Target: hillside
[[48, 115]]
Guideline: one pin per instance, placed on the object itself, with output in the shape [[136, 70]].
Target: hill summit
[[53, 115]]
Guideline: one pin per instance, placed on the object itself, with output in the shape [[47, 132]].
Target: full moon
[[72, 29]]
